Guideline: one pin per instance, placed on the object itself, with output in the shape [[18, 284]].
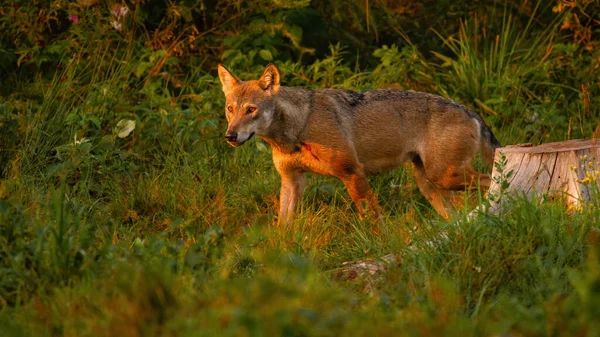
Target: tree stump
[[567, 170]]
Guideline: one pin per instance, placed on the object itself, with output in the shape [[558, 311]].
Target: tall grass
[[507, 76]]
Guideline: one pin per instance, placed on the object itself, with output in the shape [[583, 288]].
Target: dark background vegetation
[[165, 230]]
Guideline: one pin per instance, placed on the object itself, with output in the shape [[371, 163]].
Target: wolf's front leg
[[292, 188], [360, 192]]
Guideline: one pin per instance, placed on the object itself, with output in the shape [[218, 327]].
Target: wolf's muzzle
[[231, 136], [233, 140]]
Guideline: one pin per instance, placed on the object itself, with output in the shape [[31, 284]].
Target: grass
[[169, 231], [529, 272], [179, 251]]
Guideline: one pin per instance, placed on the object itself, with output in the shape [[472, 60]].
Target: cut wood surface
[[565, 170]]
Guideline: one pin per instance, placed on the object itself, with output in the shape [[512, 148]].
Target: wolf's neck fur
[[292, 108]]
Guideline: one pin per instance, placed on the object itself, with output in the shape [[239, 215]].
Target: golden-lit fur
[[349, 135]]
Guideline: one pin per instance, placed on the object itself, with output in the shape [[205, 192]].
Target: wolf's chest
[[311, 157], [317, 158]]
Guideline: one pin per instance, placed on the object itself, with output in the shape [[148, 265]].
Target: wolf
[[350, 135]]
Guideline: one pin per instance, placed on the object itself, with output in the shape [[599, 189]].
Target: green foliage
[[123, 212]]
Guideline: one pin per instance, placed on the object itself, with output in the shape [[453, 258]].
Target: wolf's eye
[[230, 108], [251, 110]]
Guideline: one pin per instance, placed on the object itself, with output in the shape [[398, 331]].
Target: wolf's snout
[[231, 136]]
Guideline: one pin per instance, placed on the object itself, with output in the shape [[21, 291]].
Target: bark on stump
[[567, 170]]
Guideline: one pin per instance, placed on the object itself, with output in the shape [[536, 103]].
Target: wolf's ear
[[228, 80], [269, 80]]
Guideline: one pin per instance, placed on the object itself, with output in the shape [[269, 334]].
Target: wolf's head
[[249, 105]]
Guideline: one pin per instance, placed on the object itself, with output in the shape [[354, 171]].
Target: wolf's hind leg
[[452, 172], [456, 179], [444, 190], [442, 201]]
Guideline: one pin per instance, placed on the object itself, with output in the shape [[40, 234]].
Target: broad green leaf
[[266, 55]]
